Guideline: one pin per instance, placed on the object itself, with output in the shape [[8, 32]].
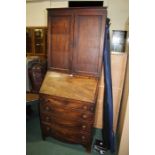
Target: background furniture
[[35, 72], [36, 41], [30, 60], [36, 75], [69, 91]]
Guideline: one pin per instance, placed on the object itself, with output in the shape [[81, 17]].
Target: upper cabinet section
[[76, 39]]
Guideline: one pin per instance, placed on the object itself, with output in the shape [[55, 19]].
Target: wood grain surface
[[76, 40], [67, 86], [118, 68]]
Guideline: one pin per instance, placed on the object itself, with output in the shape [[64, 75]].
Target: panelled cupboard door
[[75, 40], [88, 42], [60, 37]]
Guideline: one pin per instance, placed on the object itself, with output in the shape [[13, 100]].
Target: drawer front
[[66, 104], [65, 134], [67, 114], [71, 125]]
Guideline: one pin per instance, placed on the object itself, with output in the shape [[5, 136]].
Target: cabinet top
[[78, 8], [68, 86]]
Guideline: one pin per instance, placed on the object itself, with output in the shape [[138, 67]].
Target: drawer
[[67, 114], [67, 104], [79, 126], [65, 134]]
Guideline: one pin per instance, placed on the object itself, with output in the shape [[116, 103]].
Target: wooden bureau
[[69, 91], [67, 106]]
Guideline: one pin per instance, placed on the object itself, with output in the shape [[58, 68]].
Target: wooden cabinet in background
[[36, 41]]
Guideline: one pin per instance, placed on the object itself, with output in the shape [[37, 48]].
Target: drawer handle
[[92, 109], [47, 118], [47, 101], [84, 116], [47, 108], [85, 107], [83, 126], [83, 137], [48, 128]]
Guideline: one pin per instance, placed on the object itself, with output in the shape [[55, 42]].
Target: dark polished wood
[[69, 91], [67, 107], [76, 37], [60, 34], [89, 34]]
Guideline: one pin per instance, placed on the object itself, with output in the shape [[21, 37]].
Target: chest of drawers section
[[68, 120]]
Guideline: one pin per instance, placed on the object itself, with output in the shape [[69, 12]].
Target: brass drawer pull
[[92, 109], [84, 116], [48, 128], [83, 137], [47, 108], [83, 126], [85, 107], [47, 118], [47, 101]]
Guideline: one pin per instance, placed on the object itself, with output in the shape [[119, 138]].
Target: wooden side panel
[[60, 38], [124, 139], [118, 66], [118, 74], [99, 105], [123, 126], [88, 43]]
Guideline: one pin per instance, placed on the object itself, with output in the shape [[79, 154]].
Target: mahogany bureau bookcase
[[69, 91]]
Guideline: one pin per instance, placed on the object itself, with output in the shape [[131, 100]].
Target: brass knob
[[47, 118], [47, 128], [85, 107], [47, 108], [84, 116], [83, 126], [83, 137], [92, 109], [47, 101]]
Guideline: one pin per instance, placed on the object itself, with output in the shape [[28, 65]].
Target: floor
[[36, 146]]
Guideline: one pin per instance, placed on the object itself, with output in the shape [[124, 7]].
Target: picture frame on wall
[[118, 40]]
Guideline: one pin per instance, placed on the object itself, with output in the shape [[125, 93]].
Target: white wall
[[118, 12], [36, 13]]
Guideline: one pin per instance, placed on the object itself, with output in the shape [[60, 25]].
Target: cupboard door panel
[[60, 38], [88, 44]]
